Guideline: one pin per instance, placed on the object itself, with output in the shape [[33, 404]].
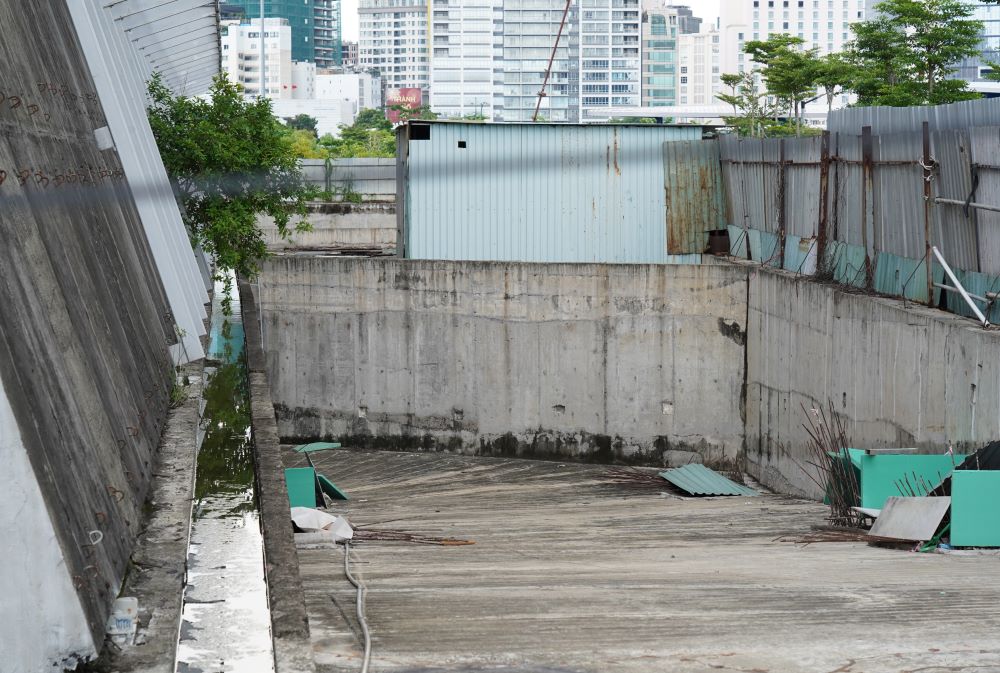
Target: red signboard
[[408, 98]]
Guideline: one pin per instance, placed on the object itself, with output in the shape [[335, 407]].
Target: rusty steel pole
[[552, 56], [824, 199], [928, 204]]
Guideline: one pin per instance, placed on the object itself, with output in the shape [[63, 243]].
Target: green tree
[[752, 111], [230, 160], [905, 54], [369, 136], [372, 119], [305, 145], [407, 113], [302, 122], [833, 72], [789, 71]]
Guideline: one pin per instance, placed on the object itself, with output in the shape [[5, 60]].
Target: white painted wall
[[42, 624]]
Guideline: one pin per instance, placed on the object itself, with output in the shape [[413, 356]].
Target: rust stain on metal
[[618, 169]]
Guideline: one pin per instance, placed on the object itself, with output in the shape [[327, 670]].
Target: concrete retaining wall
[[605, 362], [85, 330], [899, 376], [340, 226]]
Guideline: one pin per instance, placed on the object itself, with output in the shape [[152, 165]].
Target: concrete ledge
[[159, 564], [289, 622]]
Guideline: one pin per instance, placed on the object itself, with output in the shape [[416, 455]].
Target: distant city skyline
[[706, 9]]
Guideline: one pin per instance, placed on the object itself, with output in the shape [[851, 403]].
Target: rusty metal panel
[[538, 192], [692, 184], [985, 147]]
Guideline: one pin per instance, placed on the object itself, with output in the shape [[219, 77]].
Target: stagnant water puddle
[[226, 623]]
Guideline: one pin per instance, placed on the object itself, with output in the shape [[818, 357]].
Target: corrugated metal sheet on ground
[[693, 191], [905, 277], [697, 479], [538, 192]]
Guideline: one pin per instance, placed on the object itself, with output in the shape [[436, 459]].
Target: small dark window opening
[[420, 131], [461, 144]]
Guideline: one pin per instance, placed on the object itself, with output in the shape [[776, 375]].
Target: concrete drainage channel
[[226, 623]]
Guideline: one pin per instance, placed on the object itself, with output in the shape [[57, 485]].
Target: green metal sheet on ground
[[330, 488], [894, 474], [975, 502], [316, 446], [697, 479], [302, 488]]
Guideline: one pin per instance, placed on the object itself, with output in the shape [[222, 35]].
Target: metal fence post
[[782, 224], [824, 197], [927, 173], [867, 189]]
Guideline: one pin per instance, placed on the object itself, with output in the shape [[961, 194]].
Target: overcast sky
[[706, 9]]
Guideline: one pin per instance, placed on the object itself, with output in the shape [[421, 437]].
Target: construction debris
[[697, 479], [913, 519], [372, 535]]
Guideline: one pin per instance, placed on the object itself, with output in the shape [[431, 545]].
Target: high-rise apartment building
[[823, 24], [663, 25], [526, 32], [349, 55], [393, 41], [461, 58], [241, 56], [610, 65], [699, 64], [315, 24], [327, 33], [974, 69]]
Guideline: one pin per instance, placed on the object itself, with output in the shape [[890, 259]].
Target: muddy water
[[226, 624]]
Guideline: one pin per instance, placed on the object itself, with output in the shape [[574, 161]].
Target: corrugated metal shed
[[697, 479], [535, 192]]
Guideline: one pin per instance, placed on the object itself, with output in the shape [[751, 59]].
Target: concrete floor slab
[[572, 573]]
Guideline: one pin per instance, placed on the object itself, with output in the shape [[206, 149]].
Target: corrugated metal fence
[[866, 208], [373, 179]]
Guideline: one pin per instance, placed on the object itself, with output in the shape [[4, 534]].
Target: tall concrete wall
[[602, 362], [339, 226], [898, 375], [85, 330]]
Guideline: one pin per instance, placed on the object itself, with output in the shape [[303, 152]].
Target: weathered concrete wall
[[602, 362], [85, 328], [899, 376], [340, 226]]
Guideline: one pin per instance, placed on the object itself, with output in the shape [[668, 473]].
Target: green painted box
[[887, 474], [975, 506]]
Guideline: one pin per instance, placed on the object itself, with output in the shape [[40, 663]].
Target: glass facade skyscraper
[[315, 24]]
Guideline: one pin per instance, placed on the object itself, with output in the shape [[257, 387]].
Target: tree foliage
[[905, 54], [789, 72], [302, 122], [230, 160], [369, 136]]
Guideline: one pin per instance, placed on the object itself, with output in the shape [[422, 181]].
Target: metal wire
[[360, 606]]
